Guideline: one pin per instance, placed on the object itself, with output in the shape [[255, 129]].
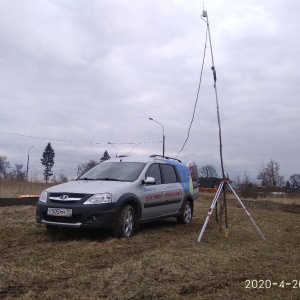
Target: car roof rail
[[166, 157]]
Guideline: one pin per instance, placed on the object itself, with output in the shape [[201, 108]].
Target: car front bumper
[[88, 216]]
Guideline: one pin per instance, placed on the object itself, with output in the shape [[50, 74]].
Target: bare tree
[[294, 182], [18, 173], [84, 167], [208, 171], [61, 178], [243, 181], [4, 166], [269, 175], [245, 186]]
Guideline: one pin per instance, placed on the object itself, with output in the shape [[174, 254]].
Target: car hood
[[87, 186]]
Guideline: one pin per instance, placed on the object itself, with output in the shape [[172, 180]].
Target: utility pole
[[28, 163], [163, 135]]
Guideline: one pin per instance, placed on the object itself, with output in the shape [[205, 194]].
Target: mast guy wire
[[200, 79]]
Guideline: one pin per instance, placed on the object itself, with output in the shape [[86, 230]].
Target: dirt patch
[[274, 206]]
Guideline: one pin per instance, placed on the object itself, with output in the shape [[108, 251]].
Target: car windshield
[[114, 171]]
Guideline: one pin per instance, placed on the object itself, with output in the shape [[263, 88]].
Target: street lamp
[[114, 147], [28, 163], [163, 135]]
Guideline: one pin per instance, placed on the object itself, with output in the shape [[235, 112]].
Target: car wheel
[[187, 214], [125, 222]]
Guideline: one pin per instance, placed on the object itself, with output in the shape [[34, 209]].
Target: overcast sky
[[82, 74]]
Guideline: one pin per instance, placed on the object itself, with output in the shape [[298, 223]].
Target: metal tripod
[[210, 211]]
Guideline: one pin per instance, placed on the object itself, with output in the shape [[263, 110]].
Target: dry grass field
[[14, 188], [162, 261]]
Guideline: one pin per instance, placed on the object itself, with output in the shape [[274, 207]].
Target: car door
[[165, 196], [172, 189], [153, 194]]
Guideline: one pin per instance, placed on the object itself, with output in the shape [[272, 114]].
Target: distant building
[[209, 184]]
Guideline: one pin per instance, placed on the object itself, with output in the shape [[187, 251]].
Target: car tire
[[187, 214], [124, 225]]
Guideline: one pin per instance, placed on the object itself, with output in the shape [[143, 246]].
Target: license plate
[[59, 212]]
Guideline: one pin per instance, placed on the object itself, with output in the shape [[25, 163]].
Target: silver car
[[121, 193]]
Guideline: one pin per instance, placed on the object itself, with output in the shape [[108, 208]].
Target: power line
[[77, 142]]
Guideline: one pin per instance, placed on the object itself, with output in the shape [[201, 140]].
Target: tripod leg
[[223, 211], [226, 215], [253, 222], [217, 218], [210, 211], [221, 215]]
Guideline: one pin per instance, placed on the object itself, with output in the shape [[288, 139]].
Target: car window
[[154, 171], [169, 174]]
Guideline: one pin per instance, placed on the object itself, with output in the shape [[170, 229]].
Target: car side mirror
[[149, 180]]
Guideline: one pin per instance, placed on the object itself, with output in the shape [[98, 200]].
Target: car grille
[[67, 197]]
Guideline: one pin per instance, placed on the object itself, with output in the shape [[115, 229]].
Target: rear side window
[[169, 174]]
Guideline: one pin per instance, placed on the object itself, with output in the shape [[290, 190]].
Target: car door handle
[[162, 191]]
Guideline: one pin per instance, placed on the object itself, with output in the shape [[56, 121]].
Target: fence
[[18, 201]]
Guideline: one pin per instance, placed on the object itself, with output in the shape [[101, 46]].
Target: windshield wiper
[[86, 178], [109, 179]]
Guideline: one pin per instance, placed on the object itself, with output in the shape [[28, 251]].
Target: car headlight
[[43, 197], [99, 199]]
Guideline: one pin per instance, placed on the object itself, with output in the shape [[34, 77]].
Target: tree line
[[268, 176], [7, 172]]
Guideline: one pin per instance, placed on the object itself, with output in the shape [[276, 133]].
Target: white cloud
[[97, 70]]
